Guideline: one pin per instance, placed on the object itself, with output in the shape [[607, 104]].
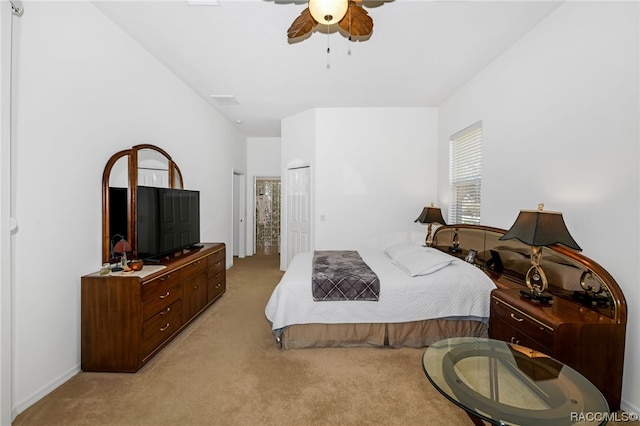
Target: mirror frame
[[175, 181]]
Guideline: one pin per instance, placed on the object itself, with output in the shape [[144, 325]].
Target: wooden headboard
[[564, 267]]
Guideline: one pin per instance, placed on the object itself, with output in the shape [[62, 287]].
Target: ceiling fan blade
[[302, 25], [357, 21]]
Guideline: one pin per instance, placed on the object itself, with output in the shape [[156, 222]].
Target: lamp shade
[[122, 246], [431, 215], [541, 228], [328, 11]]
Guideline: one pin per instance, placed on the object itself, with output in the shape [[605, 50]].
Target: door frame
[[255, 207], [7, 219], [238, 213]]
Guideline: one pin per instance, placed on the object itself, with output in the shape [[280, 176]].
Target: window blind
[[465, 175]]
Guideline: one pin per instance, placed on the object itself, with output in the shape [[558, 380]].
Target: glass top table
[[507, 384]]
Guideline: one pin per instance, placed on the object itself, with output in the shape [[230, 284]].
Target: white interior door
[[238, 203], [298, 211]]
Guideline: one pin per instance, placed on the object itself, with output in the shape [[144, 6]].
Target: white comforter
[[458, 290]]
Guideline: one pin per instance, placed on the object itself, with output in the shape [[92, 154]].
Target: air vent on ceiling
[[225, 100], [203, 3]]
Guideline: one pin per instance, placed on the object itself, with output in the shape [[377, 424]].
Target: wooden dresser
[[588, 337], [127, 317], [569, 332]]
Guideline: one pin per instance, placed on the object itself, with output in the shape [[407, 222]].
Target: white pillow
[[424, 262], [402, 249]]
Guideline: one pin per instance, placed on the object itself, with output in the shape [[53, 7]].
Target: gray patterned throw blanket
[[343, 275]]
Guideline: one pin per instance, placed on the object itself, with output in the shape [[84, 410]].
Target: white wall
[[373, 170], [84, 91], [263, 160], [561, 112]]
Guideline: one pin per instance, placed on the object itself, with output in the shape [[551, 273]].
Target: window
[[465, 175]]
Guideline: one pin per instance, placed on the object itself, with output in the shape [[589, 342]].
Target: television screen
[[167, 220]]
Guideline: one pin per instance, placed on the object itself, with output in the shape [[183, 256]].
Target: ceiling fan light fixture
[[328, 11]]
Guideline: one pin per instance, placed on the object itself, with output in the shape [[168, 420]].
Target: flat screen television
[[167, 220]]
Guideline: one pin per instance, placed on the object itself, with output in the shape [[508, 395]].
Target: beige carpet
[[225, 369]]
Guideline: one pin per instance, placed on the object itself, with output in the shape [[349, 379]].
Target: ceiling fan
[[348, 14]]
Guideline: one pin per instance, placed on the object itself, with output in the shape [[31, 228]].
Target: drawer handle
[[218, 286], [516, 318], [515, 341], [218, 274], [164, 296], [166, 277], [195, 288], [165, 311], [165, 327], [218, 264]]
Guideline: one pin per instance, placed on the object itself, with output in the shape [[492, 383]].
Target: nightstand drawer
[[530, 332]]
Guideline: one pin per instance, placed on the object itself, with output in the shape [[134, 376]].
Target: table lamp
[[121, 247], [539, 228], [430, 215]]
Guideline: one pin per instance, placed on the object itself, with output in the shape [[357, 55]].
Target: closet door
[[298, 211]]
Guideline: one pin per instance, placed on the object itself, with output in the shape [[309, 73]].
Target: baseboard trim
[[20, 406], [629, 407]]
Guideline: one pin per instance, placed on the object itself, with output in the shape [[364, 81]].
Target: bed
[[425, 295]]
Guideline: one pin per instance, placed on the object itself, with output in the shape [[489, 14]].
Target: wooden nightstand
[[569, 332]]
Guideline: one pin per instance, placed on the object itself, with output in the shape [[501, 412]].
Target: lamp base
[[534, 297], [590, 299]]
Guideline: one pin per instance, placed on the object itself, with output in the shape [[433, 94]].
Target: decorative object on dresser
[[455, 243], [588, 338], [430, 215], [121, 247], [539, 228]]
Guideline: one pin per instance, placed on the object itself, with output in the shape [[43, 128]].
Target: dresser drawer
[[159, 286], [162, 294], [194, 268], [216, 286], [216, 264], [527, 327], [216, 276], [161, 326]]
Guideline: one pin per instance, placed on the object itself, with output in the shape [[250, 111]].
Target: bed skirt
[[416, 334]]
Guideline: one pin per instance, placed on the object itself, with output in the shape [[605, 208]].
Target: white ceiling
[[420, 52]]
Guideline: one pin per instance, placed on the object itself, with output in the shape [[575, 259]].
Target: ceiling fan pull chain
[[349, 50], [328, 49]]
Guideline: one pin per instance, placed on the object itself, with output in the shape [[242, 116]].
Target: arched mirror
[[146, 165]]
